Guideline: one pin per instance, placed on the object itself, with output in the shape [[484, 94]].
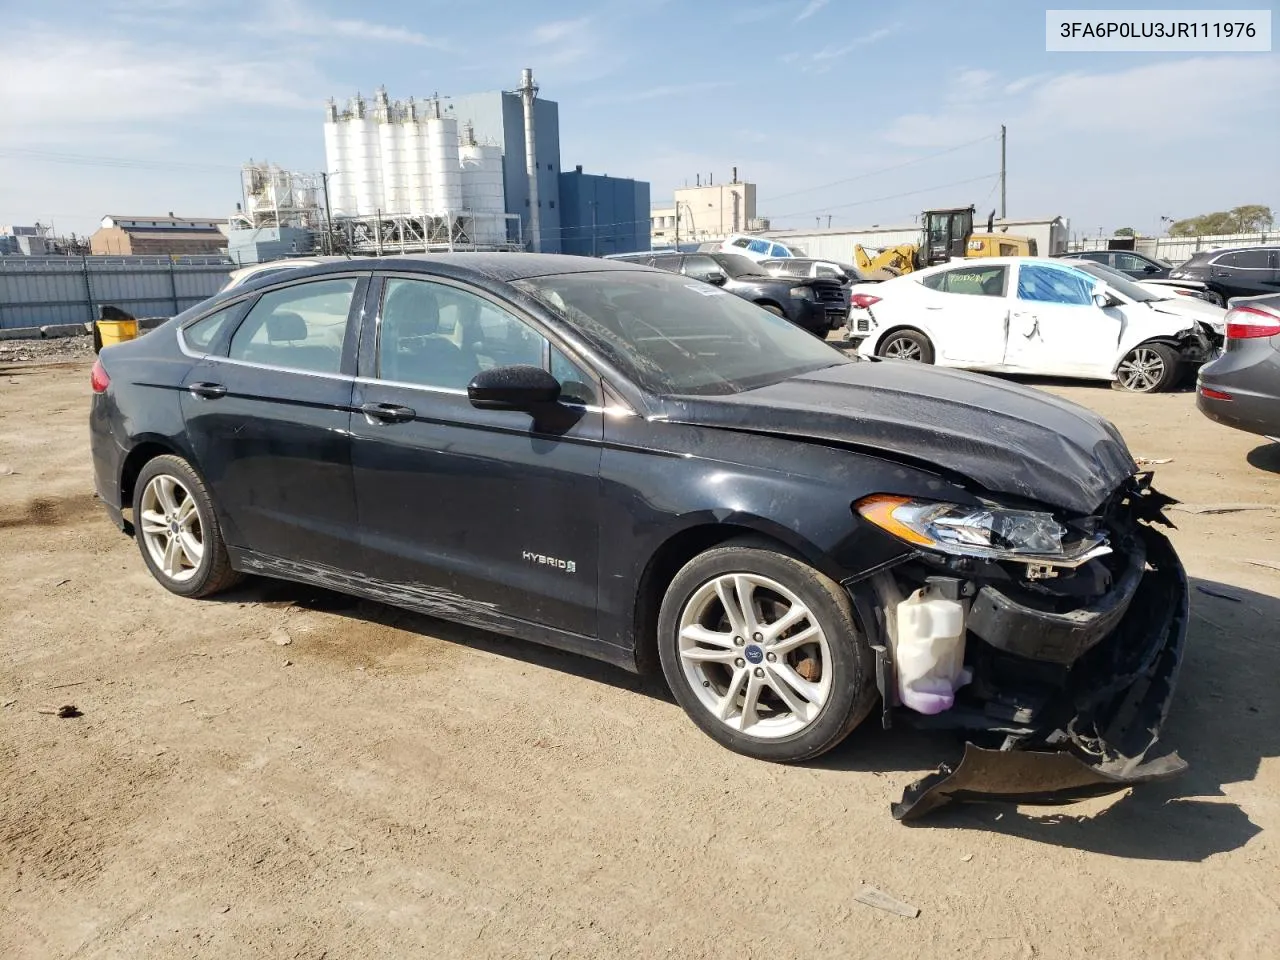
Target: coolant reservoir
[[929, 651]]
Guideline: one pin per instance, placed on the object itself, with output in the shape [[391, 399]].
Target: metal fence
[[1177, 249], [40, 291]]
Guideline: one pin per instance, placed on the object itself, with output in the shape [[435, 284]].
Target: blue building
[[259, 244], [498, 117], [600, 215]]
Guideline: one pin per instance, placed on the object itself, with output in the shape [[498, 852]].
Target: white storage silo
[[335, 161], [442, 160], [362, 151], [482, 192], [413, 161], [392, 168]]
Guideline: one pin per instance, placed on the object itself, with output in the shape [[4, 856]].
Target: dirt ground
[[386, 785]]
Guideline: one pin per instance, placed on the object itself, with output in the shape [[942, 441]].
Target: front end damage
[[1068, 669]]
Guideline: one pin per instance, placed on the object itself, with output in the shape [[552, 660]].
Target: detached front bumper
[[1101, 734]]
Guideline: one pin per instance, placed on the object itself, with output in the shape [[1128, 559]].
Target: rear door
[[268, 417], [1056, 328], [967, 311], [473, 513]]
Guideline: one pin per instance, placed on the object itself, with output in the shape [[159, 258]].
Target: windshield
[[672, 335], [736, 265], [1116, 281]]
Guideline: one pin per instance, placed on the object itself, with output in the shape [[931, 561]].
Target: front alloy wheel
[[764, 652], [1147, 368], [755, 655]]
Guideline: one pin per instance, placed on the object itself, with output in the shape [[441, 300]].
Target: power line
[[892, 196], [896, 166], [125, 163]]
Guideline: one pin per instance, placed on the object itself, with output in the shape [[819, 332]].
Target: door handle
[[207, 391], [388, 412]]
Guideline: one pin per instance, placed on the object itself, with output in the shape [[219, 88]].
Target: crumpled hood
[[1007, 438]]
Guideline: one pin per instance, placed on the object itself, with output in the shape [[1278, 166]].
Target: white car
[[256, 270], [1029, 315], [757, 248], [1159, 297]]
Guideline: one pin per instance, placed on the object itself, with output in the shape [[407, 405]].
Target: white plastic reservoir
[[929, 651]]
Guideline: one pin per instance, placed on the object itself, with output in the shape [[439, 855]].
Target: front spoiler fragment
[[1109, 742], [1027, 776]]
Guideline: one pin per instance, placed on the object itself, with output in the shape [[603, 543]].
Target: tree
[[1250, 218], [1125, 232]]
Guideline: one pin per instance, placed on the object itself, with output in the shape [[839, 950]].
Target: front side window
[[300, 327], [671, 337], [434, 335], [1128, 262], [826, 271], [1041, 283], [758, 246], [576, 385]]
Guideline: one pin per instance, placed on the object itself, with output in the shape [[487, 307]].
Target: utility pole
[[328, 221], [677, 243], [1003, 212], [828, 221], [594, 208]]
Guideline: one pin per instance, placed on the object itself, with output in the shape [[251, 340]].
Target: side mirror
[[715, 277], [1150, 268], [1104, 300], [517, 387]]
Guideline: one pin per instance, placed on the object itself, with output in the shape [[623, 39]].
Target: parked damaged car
[[1032, 316], [619, 462]]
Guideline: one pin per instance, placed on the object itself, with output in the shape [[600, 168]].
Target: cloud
[[810, 8], [301, 20], [1022, 83], [824, 59], [560, 30], [659, 92], [758, 14]]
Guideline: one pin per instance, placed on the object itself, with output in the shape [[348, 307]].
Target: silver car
[[1241, 388]]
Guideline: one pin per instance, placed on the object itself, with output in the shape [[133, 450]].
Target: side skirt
[[431, 601]]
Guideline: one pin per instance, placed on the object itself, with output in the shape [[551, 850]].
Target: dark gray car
[[1241, 388]]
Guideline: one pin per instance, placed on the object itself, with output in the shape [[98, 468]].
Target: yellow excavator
[[948, 235]]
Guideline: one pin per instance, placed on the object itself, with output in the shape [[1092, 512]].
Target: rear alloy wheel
[[177, 530], [906, 345], [764, 653], [1148, 368]]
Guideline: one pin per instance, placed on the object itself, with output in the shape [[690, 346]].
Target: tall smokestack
[[529, 90]]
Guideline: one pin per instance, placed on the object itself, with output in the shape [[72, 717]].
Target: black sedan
[[623, 463], [816, 304], [1137, 265], [1243, 272], [1241, 388]]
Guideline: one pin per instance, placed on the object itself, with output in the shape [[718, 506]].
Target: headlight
[[801, 293], [993, 533]]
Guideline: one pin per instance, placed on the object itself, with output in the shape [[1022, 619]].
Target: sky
[[863, 112]]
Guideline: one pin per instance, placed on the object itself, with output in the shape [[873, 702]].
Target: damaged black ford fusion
[[638, 467]]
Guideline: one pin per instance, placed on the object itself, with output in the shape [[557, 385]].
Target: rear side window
[[300, 327], [201, 335], [1044, 284], [826, 271], [759, 246], [671, 263], [1249, 260], [1128, 262], [742, 243]]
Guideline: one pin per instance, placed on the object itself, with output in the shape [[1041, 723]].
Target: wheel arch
[[1165, 340], [766, 302], [913, 327], [683, 545]]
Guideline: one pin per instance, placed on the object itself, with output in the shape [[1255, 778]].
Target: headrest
[[411, 310], [284, 325]]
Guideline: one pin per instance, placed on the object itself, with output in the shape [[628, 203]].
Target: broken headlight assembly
[[983, 531]]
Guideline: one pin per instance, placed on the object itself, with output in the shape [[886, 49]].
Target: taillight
[[863, 300], [98, 378], [1251, 323], [1213, 394]]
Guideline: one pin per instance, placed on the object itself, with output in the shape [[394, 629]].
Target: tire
[[905, 344], [828, 679], [775, 310], [182, 521], [1148, 368]]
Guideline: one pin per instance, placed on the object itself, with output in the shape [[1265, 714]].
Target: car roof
[[494, 266]]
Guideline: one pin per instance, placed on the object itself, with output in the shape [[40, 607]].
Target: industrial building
[[709, 211], [280, 214], [602, 214], [23, 241], [168, 236], [480, 171]]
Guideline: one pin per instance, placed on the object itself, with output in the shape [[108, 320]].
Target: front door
[[1056, 328], [474, 514], [268, 413], [966, 309]]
